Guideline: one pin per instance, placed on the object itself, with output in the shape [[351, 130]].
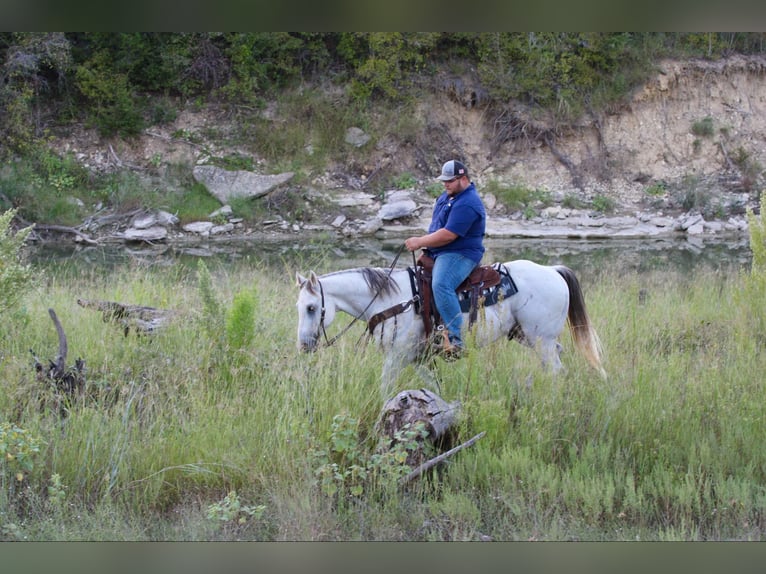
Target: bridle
[[330, 342]]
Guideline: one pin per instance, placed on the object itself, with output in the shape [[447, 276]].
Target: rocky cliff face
[[694, 122], [697, 127]]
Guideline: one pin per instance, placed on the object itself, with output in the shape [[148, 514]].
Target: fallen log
[[143, 320]]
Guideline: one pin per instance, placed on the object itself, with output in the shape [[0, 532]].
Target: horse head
[[314, 312]]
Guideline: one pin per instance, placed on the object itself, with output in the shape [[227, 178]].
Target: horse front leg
[[393, 365]]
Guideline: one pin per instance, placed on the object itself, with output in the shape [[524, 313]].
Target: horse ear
[[299, 279], [312, 283]]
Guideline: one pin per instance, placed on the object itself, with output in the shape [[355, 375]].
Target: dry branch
[[68, 381], [437, 459]]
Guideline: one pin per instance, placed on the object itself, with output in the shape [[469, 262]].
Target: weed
[[516, 196], [230, 510], [16, 276], [404, 181], [703, 127], [656, 190], [571, 201], [434, 189], [603, 204]]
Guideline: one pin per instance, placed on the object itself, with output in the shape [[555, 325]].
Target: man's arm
[[438, 238]]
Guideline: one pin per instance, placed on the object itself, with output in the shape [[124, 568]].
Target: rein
[[330, 342]]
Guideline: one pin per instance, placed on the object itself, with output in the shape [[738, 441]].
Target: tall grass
[[181, 435]]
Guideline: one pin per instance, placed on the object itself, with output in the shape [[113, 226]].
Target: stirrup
[[447, 349]]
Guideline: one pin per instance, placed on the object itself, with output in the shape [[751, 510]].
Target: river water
[[588, 258]]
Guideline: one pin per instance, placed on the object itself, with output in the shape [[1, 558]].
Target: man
[[455, 241]]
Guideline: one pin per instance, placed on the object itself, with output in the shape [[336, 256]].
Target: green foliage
[[655, 190], [240, 321], [660, 445], [385, 62], [518, 197], [571, 201], [750, 168], [230, 511], [404, 181], [29, 61], [16, 276], [212, 315], [56, 492], [235, 162], [603, 204], [703, 127], [565, 73], [344, 469], [112, 107], [259, 61], [434, 189], [19, 450]]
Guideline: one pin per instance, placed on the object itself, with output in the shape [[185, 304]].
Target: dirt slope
[[652, 140]]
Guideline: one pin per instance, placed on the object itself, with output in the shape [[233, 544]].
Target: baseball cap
[[452, 169]]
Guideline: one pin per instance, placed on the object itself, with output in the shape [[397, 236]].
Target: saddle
[[483, 277]]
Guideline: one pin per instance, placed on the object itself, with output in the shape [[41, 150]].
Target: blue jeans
[[450, 270]]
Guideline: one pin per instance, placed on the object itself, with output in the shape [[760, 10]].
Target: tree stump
[[408, 408], [68, 383]]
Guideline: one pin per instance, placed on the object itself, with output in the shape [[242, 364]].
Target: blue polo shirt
[[463, 215]]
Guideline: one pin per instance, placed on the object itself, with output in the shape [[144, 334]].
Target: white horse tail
[[584, 335]]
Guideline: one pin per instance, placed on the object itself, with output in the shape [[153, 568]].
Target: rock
[[397, 209], [155, 233], [147, 220], [219, 229], [224, 211], [371, 226], [225, 185], [198, 227], [356, 137]]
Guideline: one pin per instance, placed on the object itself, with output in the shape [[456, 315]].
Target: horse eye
[[311, 308]]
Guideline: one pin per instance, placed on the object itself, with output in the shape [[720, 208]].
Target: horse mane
[[378, 280]]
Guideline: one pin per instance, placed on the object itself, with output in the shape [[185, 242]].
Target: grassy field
[[216, 428]]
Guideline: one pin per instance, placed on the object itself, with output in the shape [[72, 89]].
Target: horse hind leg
[[550, 354], [547, 348]]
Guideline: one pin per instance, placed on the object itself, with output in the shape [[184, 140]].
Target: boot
[[452, 348]]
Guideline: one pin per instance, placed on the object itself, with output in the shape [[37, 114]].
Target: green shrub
[[18, 450], [703, 127], [517, 197], [16, 276], [113, 108], [404, 181], [571, 201], [655, 190], [603, 204], [240, 321]]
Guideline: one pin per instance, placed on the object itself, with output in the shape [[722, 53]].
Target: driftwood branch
[[437, 459], [120, 163], [65, 229], [67, 382], [60, 364]]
